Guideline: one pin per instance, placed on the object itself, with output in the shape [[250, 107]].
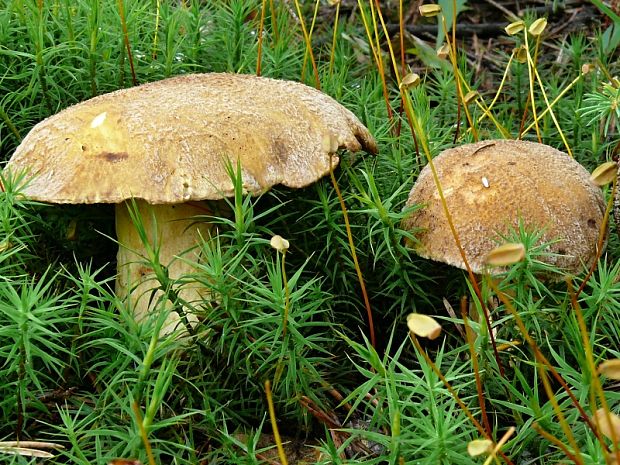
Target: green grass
[[77, 370]]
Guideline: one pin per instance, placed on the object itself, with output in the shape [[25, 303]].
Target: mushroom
[[489, 187], [166, 146]]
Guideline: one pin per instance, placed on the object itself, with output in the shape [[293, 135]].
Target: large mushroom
[[166, 146], [489, 187]]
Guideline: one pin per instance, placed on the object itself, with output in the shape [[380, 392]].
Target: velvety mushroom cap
[[173, 143], [489, 186], [168, 141]]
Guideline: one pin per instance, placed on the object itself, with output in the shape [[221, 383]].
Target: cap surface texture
[[170, 141], [489, 186]]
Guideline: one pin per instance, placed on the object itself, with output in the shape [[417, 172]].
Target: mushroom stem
[[154, 252]]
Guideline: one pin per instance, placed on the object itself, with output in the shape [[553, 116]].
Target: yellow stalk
[[457, 78], [448, 386], [559, 414], [316, 10], [157, 14], [274, 423], [143, 434], [553, 102], [334, 38], [260, 38], [389, 45], [413, 120], [274, 25], [487, 111], [552, 439], [401, 28], [597, 388], [540, 357], [377, 56], [504, 439], [287, 295], [454, 395], [474, 362], [308, 45], [531, 83], [358, 270], [367, 29], [555, 121]]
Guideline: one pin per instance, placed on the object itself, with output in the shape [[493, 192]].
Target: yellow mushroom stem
[[175, 232]]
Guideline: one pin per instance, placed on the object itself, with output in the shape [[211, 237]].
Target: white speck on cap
[[485, 181], [98, 120]]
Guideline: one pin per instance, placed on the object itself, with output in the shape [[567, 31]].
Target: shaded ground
[[481, 25]]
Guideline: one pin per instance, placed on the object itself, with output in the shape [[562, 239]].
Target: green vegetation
[[78, 371]]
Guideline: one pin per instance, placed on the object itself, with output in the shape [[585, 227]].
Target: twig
[[506, 11], [481, 30]]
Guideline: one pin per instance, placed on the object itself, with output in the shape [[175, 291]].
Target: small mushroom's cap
[[489, 186], [169, 141]]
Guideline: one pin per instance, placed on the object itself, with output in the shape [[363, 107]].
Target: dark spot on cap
[[113, 157], [561, 251], [280, 150], [144, 270], [592, 223], [512, 162], [84, 148], [465, 164]]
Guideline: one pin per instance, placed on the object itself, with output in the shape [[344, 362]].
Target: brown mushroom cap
[[167, 141], [489, 186]]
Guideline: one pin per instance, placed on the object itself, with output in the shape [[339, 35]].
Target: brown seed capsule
[[330, 143], [538, 26], [470, 97], [423, 326], [443, 52], [429, 10], [608, 423], [587, 68], [610, 368], [506, 254], [521, 54], [605, 173], [514, 28], [410, 81], [279, 243], [479, 446]]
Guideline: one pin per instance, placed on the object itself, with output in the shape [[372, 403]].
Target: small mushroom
[[490, 186], [166, 145]]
